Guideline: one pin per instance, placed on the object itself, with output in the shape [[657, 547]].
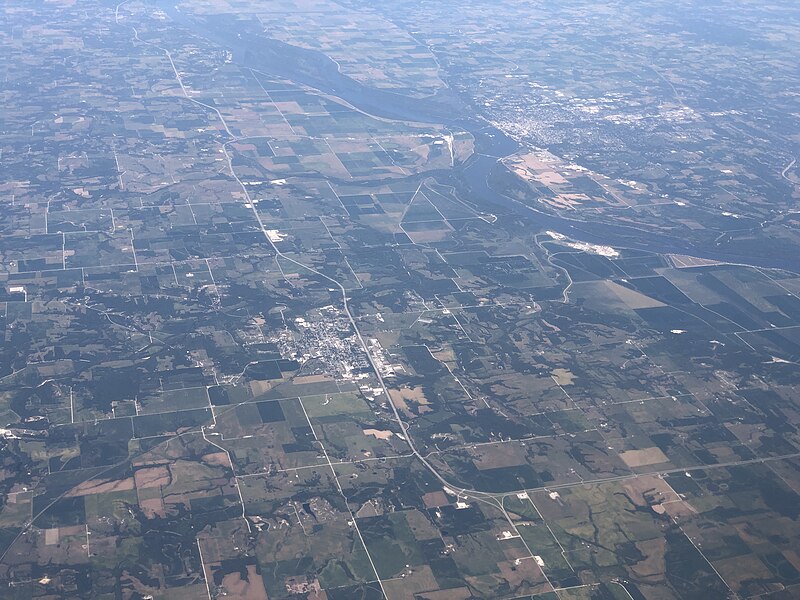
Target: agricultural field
[[321, 300]]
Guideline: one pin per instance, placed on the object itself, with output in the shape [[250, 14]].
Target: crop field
[[279, 324]]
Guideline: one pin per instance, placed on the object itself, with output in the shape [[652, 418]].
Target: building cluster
[[326, 337]]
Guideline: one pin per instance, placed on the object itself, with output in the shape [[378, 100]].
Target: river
[[251, 49]]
